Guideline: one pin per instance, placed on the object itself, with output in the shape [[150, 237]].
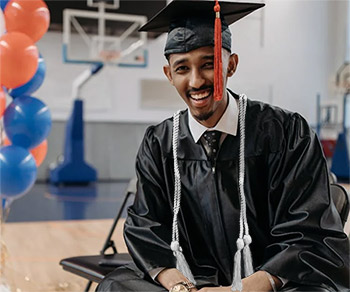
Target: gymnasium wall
[[288, 53]]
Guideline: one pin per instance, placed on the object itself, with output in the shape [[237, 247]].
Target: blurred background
[[101, 84]]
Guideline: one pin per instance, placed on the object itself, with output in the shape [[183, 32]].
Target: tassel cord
[[218, 78]]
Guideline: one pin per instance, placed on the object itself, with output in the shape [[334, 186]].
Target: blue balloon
[[7, 202], [3, 4], [17, 171], [33, 84], [3, 203], [27, 121]]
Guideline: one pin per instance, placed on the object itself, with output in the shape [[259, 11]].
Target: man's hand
[[256, 282], [169, 277], [215, 289]]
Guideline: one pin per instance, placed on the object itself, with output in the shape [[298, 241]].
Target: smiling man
[[192, 75], [233, 194]]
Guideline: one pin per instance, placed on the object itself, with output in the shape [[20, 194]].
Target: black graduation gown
[[296, 230]]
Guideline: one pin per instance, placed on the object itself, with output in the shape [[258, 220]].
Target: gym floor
[[72, 202], [51, 223]]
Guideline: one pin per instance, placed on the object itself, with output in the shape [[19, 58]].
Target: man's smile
[[200, 97]]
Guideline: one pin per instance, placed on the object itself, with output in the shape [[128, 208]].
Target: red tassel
[[218, 82]]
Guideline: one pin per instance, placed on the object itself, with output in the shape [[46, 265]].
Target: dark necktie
[[212, 139]]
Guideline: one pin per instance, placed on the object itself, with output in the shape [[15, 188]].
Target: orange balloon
[[7, 142], [2, 102], [31, 17], [39, 152], [18, 59]]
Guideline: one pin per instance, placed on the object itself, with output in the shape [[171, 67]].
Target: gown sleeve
[[308, 245], [147, 230]]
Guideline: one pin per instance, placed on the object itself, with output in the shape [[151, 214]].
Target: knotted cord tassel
[[181, 263], [237, 279], [247, 256], [218, 79]]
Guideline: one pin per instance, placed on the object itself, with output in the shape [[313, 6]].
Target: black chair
[[332, 178], [341, 200], [95, 267]]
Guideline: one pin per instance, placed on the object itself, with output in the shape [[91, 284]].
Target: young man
[[233, 194]]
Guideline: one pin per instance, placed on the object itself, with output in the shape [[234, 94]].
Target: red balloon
[[31, 17], [39, 152], [2, 102], [18, 58]]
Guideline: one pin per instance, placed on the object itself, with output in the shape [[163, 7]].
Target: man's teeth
[[200, 95]]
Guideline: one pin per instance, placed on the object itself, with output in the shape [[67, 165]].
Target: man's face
[[192, 74]]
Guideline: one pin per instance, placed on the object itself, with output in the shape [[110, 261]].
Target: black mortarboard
[[192, 24]]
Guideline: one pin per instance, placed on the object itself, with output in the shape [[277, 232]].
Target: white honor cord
[[244, 238], [181, 263], [177, 187], [247, 257]]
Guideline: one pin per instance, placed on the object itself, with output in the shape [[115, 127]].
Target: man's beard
[[204, 116]]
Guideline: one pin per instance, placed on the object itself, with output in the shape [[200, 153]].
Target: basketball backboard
[[99, 36]]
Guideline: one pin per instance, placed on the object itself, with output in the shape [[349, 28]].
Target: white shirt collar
[[227, 123]]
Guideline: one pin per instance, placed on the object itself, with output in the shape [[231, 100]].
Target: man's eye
[[209, 65], [181, 69]]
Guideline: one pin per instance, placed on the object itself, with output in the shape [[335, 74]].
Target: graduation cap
[[192, 24]]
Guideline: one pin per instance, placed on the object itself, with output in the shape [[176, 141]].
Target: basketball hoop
[[109, 56], [114, 40]]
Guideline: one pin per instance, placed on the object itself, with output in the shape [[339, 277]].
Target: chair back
[[341, 200]]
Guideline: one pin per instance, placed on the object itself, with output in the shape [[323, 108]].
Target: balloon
[[17, 171], [27, 121], [31, 17], [3, 4], [18, 59], [2, 23], [39, 152], [33, 84], [7, 142], [2, 102], [7, 202], [4, 203]]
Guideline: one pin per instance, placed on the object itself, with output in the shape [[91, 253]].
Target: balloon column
[[26, 120]]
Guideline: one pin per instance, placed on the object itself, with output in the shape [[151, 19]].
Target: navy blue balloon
[[17, 171], [3, 203], [33, 84], [3, 4], [27, 121]]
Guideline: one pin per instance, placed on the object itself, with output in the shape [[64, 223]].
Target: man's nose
[[196, 79]]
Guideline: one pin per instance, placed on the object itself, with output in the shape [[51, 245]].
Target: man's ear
[[232, 65], [167, 72]]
